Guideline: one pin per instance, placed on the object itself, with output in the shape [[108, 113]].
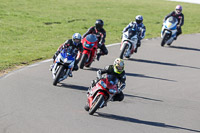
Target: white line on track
[[41, 62]]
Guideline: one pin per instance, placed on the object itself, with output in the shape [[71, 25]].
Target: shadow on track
[[140, 97], [161, 63], [144, 76], [137, 121], [92, 69], [75, 87], [185, 48]]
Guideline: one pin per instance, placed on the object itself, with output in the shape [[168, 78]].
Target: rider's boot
[[98, 56], [70, 73]]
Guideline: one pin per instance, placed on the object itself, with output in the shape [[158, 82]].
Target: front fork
[[91, 100]]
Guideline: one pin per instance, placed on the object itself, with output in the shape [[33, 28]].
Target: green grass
[[33, 29]]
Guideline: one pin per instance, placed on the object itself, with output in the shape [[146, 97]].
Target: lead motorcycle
[[90, 45], [63, 64], [129, 43], [169, 30], [101, 93]]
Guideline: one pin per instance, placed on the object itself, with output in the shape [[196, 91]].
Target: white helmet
[[76, 38], [139, 19], [178, 9]]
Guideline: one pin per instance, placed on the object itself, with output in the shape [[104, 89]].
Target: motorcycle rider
[[117, 70], [101, 35], [140, 29], [76, 45], [180, 17]]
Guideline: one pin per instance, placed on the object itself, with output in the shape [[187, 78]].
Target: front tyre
[[96, 104], [124, 50], [83, 61], [58, 74], [164, 40]]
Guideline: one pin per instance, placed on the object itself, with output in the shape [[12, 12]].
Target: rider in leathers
[[180, 17], [140, 29], [117, 69], [99, 31], [74, 43]]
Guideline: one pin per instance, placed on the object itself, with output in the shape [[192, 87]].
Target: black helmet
[[99, 24]]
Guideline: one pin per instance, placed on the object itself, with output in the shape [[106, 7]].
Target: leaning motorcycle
[[129, 43], [90, 45], [169, 31], [63, 64], [101, 93]]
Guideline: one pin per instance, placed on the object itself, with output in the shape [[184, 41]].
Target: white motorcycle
[[169, 30], [63, 64], [129, 43]]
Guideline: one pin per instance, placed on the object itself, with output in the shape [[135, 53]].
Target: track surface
[[162, 94]]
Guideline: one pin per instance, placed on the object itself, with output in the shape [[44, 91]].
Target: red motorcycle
[[101, 93], [90, 45]]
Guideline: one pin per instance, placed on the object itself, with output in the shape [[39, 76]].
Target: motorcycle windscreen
[[91, 38], [171, 23], [68, 54], [63, 53], [131, 33], [172, 20], [111, 81]]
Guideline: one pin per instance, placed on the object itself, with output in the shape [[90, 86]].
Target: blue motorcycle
[[63, 65]]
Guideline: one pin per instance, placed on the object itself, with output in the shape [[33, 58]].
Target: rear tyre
[[169, 44], [124, 51], [96, 104], [58, 74], [83, 61]]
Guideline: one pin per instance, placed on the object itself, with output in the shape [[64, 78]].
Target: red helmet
[[178, 9]]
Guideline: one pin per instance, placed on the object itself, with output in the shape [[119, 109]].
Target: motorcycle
[[90, 45], [129, 43], [169, 30], [101, 93], [63, 64]]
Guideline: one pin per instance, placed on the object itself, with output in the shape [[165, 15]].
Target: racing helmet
[[118, 66], [99, 24], [178, 9], [76, 38], [139, 19]]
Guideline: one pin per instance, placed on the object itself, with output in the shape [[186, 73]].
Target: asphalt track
[[162, 94]]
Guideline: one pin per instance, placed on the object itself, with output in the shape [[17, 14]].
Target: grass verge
[[31, 30]]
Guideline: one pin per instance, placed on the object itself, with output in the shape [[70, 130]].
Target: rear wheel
[[96, 104], [83, 60], [58, 74], [124, 50]]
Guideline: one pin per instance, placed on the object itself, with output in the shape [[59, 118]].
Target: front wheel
[[58, 74], [124, 50], [83, 61], [96, 104], [164, 40]]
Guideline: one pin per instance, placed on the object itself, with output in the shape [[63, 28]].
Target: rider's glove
[[178, 26], [122, 86], [99, 45]]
